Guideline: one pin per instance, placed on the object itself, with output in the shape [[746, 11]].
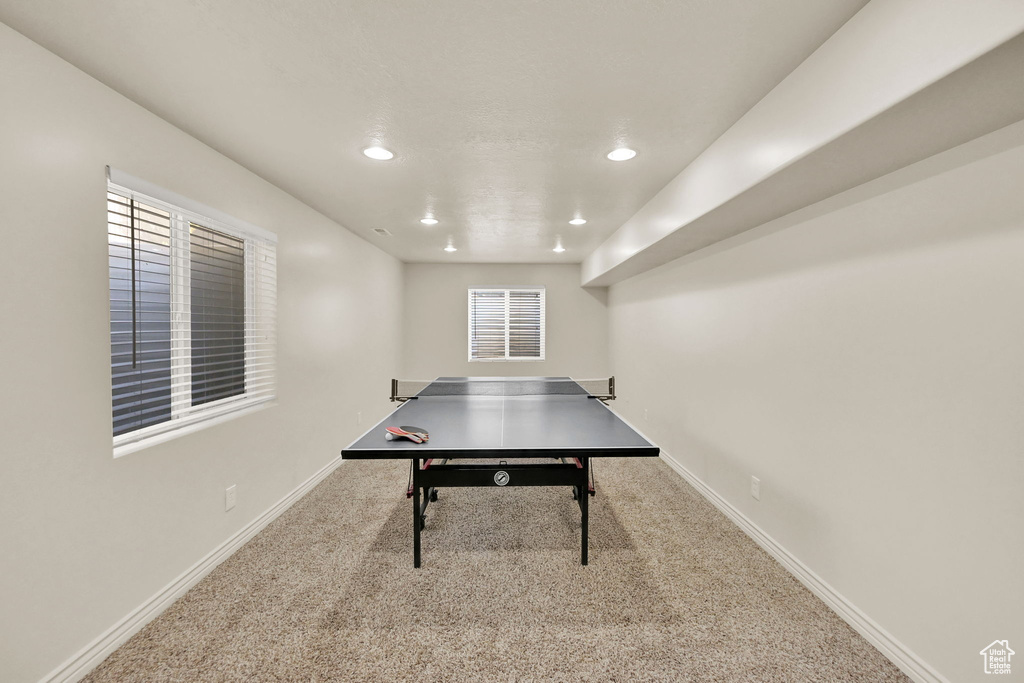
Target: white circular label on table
[[501, 478]]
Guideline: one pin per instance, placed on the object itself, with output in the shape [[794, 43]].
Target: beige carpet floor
[[674, 592]]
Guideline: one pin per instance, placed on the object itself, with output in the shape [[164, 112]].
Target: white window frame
[[260, 297], [540, 289]]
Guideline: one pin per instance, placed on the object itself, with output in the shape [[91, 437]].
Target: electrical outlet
[[645, 414], [755, 488], [359, 417], [230, 497]]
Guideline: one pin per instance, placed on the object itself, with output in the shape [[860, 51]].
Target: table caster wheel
[[433, 495], [423, 521]]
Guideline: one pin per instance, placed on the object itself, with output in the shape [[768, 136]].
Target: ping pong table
[[496, 419]]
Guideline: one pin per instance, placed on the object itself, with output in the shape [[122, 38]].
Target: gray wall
[[864, 360], [86, 538], [437, 320]]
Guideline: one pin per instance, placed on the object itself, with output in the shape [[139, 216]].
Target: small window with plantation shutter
[[506, 324], [192, 313]]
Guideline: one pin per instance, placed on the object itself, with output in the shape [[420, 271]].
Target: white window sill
[[134, 441]]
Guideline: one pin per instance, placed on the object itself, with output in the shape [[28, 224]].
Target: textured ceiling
[[500, 113]]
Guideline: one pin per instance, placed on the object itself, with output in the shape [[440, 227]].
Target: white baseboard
[[894, 650], [89, 657]]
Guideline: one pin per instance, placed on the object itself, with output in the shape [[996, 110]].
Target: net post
[[394, 389], [611, 387]]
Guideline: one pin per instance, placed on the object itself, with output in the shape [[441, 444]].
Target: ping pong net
[[404, 389]]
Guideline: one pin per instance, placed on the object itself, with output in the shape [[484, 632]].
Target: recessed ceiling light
[[450, 247], [379, 153], [621, 154], [428, 221], [558, 248], [577, 221]]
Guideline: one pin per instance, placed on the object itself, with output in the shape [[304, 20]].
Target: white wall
[[865, 360], [86, 538], [437, 323]]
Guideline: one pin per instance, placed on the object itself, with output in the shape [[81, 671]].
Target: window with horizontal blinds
[[218, 314], [506, 324], [139, 237], [192, 315]]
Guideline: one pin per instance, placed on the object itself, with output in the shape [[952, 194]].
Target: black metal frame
[[428, 476]]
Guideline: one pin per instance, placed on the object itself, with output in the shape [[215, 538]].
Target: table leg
[[416, 514], [584, 512]]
